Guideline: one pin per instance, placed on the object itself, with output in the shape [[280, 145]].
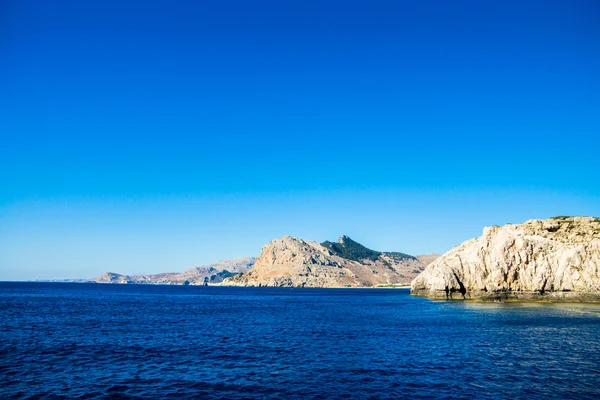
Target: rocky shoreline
[[555, 260], [512, 296]]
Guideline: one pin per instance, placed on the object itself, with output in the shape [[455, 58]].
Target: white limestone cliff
[[557, 259]]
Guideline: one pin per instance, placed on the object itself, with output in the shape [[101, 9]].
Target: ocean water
[[106, 341]]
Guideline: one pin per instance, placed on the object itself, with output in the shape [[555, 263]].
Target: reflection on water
[[591, 309]]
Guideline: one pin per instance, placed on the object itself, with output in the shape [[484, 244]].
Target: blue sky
[[143, 137]]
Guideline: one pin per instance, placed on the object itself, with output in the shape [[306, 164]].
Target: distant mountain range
[[210, 274], [296, 263]]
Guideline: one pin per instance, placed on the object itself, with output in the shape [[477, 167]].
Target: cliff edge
[[557, 259]]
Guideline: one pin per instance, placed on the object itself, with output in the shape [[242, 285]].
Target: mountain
[[557, 259], [427, 258], [213, 273], [293, 262]]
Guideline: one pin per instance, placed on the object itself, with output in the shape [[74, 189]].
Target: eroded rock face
[[555, 259], [293, 262]]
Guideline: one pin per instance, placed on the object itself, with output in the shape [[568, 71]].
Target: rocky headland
[[209, 274], [556, 259], [293, 262]]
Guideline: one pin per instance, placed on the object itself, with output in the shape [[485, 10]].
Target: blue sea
[[105, 341]]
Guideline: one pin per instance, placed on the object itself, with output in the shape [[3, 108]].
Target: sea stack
[[557, 259]]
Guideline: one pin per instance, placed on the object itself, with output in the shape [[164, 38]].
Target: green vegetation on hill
[[567, 217], [351, 250], [561, 217], [225, 274], [397, 256]]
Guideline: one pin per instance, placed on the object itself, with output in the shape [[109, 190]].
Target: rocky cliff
[[557, 259], [213, 273], [293, 262]]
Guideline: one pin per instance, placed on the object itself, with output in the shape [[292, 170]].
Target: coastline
[[513, 297]]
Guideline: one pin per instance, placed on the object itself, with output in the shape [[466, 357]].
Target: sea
[[75, 340]]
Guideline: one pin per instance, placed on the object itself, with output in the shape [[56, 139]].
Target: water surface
[[92, 340]]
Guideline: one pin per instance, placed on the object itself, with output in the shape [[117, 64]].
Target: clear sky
[[143, 137]]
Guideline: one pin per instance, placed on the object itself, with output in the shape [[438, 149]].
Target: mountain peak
[[343, 239]]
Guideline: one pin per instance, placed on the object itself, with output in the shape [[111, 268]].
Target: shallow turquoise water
[[91, 340]]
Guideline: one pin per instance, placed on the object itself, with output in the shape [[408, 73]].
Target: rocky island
[[557, 259], [294, 262]]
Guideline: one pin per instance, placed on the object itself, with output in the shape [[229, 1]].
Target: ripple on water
[[90, 341]]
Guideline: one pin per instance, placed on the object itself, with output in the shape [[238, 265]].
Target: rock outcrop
[[557, 259], [292, 262], [209, 274]]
